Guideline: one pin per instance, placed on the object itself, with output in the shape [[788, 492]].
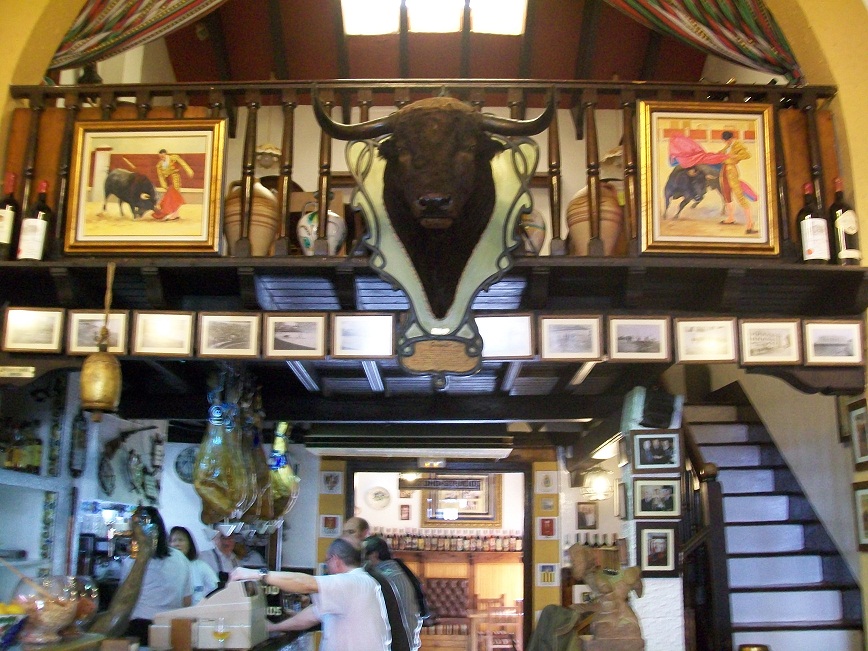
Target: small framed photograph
[[506, 337], [639, 339], [547, 504], [842, 407], [657, 498], [547, 528], [770, 341], [657, 549], [545, 482], [228, 334], [84, 327], [621, 498], [405, 511], [860, 498], [294, 335], [405, 494], [547, 575], [617, 501], [656, 450], [587, 515], [163, 334], [705, 340], [330, 526], [331, 482], [571, 338], [33, 330], [363, 335], [833, 343], [858, 420]]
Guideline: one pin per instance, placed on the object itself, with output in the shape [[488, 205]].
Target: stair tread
[[798, 626], [798, 587], [766, 523], [798, 552], [773, 493]]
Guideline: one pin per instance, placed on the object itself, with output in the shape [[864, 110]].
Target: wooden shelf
[[473, 558]]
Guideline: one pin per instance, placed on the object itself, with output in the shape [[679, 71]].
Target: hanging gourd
[[284, 482]]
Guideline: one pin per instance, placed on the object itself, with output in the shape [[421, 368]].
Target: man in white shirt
[[222, 558], [347, 601]]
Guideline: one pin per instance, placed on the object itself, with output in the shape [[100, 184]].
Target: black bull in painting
[[438, 187]]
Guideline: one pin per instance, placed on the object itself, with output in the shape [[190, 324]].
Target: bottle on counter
[[845, 223], [10, 219], [814, 230], [35, 240]]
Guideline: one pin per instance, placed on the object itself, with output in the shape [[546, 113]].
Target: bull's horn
[[360, 131], [510, 127]]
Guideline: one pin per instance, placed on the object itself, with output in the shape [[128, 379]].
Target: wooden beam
[[275, 31], [527, 40], [587, 38], [340, 40]]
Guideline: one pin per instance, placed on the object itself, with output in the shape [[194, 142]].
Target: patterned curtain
[[741, 31], [108, 27]]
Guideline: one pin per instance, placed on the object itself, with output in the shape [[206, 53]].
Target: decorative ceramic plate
[[184, 464], [378, 497]]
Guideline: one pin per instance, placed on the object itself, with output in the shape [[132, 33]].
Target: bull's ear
[[488, 148], [387, 149]]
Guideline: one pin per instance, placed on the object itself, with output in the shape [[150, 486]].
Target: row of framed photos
[[285, 335]]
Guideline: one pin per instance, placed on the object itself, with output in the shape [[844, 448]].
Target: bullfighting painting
[[707, 174], [141, 186], [441, 188]]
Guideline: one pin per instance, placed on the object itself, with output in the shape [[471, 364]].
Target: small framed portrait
[[770, 341], [545, 482], [330, 526], [228, 334], [705, 340], [657, 549], [860, 497], [656, 450], [842, 407], [363, 335], [547, 528], [506, 337], [84, 327], [639, 339], [657, 498], [162, 334], [587, 515], [857, 417], [331, 482], [833, 343], [405, 511], [294, 336], [571, 338], [32, 330]]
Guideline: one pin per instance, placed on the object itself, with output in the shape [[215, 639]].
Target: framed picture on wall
[[288, 335], [656, 549], [330, 526], [657, 498], [363, 335], [571, 338], [331, 482], [84, 327], [547, 528], [770, 341], [833, 343], [639, 339], [656, 450], [228, 334], [587, 515], [858, 419], [472, 500], [705, 340], [163, 334], [860, 497], [33, 330]]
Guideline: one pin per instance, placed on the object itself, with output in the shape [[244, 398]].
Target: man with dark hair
[[376, 552], [355, 531], [347, 601]]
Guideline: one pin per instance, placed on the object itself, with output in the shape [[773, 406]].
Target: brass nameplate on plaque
[[18, 371]]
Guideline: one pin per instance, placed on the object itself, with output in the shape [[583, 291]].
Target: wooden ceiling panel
[[310, 40], [494, 56], [555, 39], [373, 57], [246, 31], [620, 46], [434, 56], [192, 55], [677, 61]]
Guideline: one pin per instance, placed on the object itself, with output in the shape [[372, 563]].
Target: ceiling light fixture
[[597, 485]]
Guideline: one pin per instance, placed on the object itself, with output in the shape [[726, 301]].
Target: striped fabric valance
[[105, 28], [741, 31]]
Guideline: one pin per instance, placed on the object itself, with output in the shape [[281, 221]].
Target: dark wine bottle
[[10, 219], [843, 219], [814, 230], [36, 228]]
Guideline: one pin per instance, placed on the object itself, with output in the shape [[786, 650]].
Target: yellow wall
[[544, 551]]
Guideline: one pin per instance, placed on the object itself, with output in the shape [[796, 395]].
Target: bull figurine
[[438, 187]]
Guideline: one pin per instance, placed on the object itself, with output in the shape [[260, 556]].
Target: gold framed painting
[[707, 178], [146, 186], [461, 500]]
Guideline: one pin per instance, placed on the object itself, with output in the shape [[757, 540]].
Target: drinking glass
[[221, 632]]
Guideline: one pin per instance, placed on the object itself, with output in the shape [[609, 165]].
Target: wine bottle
[[35, 238], [814, 230], [10, 219], [843, 219]]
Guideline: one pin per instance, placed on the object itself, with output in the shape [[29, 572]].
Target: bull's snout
[[430, 202]]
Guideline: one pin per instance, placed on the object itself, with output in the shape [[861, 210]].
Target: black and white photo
[[656, 451], [85, 326], [224, 334], [770, 341], [571, 338], [705, 340], [291, 336], [833, 342], [165, 334], [34, 329], [639, 339]]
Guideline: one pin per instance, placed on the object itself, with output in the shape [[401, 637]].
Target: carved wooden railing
[[582, 98], [703, 555]]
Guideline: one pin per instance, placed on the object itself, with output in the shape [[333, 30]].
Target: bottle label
[[847, 236], [32, 240], [815, 239], [7, 217]]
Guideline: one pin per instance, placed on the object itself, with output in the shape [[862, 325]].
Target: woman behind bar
[[203, 578], [166, 584]]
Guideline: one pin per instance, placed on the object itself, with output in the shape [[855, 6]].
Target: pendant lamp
[[100, 389]]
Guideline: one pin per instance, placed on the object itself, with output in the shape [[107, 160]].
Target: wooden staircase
[[790, 589]]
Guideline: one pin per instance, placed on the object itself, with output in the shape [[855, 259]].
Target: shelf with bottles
[[480, 541]]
